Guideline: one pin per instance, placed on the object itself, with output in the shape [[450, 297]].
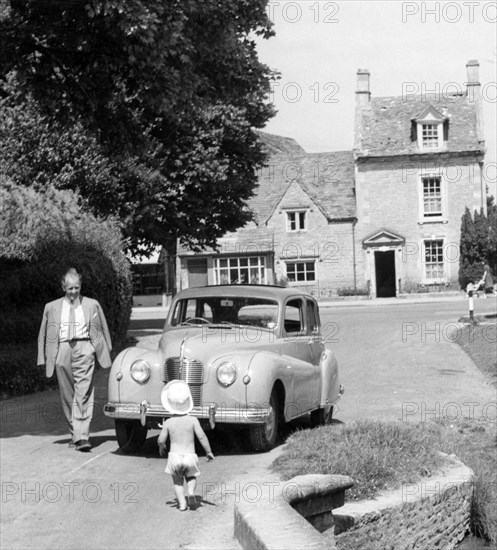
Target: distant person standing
[[73, 331], [487, 281]]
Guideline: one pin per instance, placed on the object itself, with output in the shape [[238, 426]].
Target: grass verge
[[377, 455], [382, 455], [479, 342]]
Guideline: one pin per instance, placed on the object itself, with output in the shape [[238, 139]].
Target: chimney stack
[[473, 94], [363, 95], [473, 72]]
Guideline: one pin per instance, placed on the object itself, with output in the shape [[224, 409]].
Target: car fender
[[122, 387], [263, 378], [227, 396], [330, 383]]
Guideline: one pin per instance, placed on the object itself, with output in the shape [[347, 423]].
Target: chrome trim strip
[[236, 415]]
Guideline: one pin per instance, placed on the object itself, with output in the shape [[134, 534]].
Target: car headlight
[[226, 373], [140, 371]]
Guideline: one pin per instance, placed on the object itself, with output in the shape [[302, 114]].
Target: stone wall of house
[[329, 245], [389, 195]]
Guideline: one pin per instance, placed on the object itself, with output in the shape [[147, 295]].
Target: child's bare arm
[[199, 432], [163, 438]]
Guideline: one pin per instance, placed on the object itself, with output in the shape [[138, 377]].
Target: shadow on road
[[96, 440], [41, 413], [224, 441]]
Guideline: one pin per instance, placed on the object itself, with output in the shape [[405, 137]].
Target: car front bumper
[[212, 412]]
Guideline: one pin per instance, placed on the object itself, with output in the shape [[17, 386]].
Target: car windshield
[[225, 311]]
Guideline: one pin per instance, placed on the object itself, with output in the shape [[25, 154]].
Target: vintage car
[[253, 356]]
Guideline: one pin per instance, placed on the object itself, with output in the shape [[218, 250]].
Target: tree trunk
[[170, 251]]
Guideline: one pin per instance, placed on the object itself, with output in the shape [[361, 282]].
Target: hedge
[[20, 375]]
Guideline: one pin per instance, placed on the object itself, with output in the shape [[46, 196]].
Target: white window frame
[[424, 215], [239, 270], [440, 261], [431, 144], [432, 196], [299, 220], [306, 271]]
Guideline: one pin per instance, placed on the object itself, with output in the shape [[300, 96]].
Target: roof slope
[[328, 179], [278, 144], [385, 126]]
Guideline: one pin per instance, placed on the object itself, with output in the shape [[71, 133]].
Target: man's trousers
[[75, 366]]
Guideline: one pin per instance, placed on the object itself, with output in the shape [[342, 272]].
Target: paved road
[[400, 362], [54, 497]]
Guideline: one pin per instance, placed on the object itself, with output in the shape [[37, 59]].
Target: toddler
[[182, 461]]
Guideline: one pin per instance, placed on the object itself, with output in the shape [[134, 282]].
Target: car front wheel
[[130, 434], [321, 417], [263, 437]]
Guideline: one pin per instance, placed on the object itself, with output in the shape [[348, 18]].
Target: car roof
[[261, 291]]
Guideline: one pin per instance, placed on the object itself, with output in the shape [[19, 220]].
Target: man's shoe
[[83, 445]]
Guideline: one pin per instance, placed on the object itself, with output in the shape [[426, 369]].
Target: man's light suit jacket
[[48, 338]]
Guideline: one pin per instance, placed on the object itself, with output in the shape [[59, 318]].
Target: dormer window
[[430, 136], [430, 129]]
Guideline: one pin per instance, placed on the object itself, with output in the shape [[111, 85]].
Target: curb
[[309, 513], [139, 311], [280, 521]]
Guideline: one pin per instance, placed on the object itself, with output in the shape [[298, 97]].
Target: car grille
[[189, 370]]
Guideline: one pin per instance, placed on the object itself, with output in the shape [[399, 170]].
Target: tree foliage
[[147, 107], [478, 244]]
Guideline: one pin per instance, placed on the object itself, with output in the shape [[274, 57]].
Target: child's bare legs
[[179, 491], [191, 483]]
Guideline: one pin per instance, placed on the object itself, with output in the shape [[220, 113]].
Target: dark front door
[[385, 273], [197, 272]]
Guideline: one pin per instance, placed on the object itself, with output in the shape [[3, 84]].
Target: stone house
[[383, 218]]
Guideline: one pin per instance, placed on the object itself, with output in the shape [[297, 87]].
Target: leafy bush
[[477, 245], [349, 291], [19, 373]]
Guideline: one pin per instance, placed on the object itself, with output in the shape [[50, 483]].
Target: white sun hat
[[176, 397]]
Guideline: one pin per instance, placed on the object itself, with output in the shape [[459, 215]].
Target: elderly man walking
[[73, 331]]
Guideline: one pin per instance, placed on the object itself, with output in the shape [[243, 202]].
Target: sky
[[407, 46]]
